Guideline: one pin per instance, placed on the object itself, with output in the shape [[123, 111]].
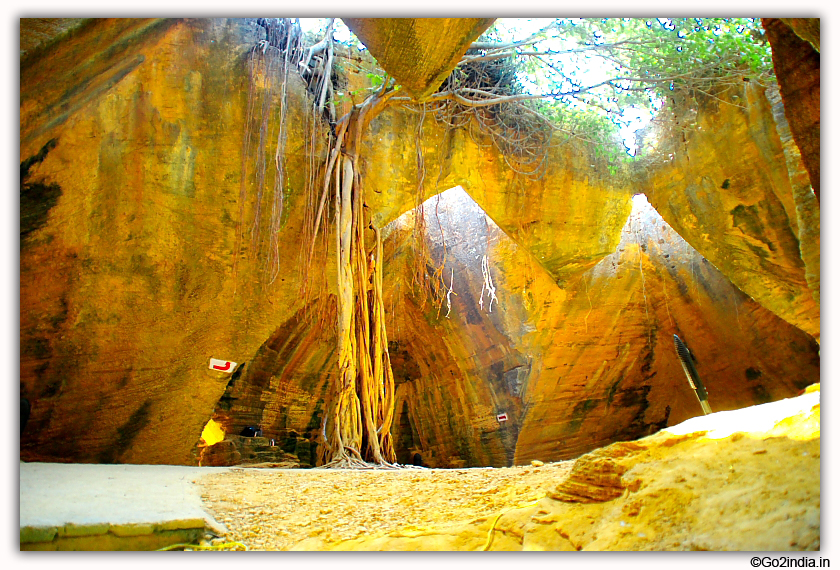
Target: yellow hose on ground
[[496, 520], [200, 547]]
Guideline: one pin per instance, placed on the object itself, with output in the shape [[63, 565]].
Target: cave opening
[[212, 433], [667, 287]]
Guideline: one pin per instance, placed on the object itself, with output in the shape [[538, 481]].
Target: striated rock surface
[[250, 451], [720, 187], [805, 201], [593, 479], [578, 364], [134, 277], [418, 52], [796, 60], [282, 390], [38, 32], [806, 28]]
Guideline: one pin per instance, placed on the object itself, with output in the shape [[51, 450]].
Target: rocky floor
[[743, 480]]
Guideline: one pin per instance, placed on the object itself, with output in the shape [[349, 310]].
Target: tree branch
[[320, 46], [533, 38], [502, 55]]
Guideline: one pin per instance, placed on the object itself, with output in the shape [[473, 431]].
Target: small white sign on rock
[[222, 365]]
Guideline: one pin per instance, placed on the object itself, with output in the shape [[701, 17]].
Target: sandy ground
[[275, 509], [741, 480]]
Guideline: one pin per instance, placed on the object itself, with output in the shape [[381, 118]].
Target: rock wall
[[725, 183], [575, 365], [418, 52], [796, 60], [36, 32], [136, 276], [549, 213]]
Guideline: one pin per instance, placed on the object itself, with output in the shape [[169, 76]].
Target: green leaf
[[375, 80]]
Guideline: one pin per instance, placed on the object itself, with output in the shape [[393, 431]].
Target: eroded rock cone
[[597, 477]]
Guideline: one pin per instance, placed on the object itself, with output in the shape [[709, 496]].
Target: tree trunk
[[359, 411]]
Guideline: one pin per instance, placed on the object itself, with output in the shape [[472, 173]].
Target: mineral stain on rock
[[36, 196], [126, 433]]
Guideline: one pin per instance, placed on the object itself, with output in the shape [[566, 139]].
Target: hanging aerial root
[[325, 192], [449, 293], [357, 428], [354, 463], [382, 372], [358, 409], [488, 285]]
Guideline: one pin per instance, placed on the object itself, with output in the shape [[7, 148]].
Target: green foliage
[[672, 53], [584, 123], [592, 69]]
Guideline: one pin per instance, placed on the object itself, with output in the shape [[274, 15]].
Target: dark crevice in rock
[[37, 198]]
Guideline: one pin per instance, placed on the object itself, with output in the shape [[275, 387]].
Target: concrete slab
[[64, 501]]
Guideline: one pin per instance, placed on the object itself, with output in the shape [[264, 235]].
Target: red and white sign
[[502, 417], [222, 365]]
